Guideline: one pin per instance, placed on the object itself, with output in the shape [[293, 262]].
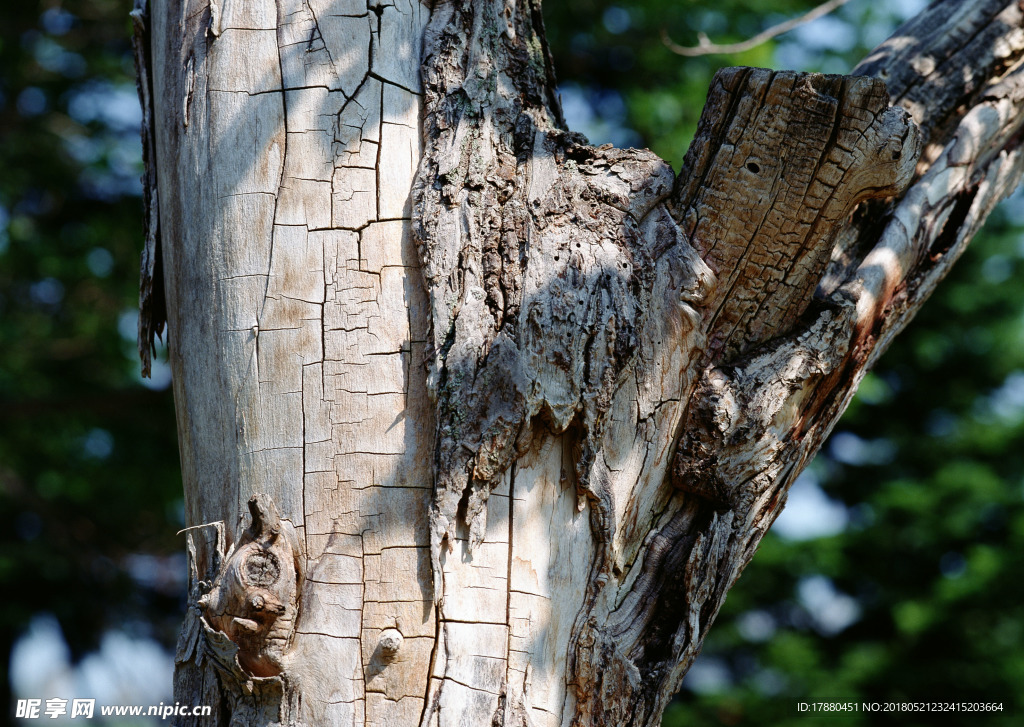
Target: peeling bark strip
[[627, 369], [531, 246], [152, 310]]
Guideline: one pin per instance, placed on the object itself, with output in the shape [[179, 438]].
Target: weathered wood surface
[[288, 137], [527, 405]]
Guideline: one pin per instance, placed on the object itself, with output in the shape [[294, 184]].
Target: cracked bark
[[520, 408]]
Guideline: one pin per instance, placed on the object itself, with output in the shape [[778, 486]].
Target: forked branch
[[574, 296]]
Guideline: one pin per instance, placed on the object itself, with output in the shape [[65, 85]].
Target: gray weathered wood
[[513, 412]]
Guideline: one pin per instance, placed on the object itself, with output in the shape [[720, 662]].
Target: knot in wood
[[262, 568], [254, 598], [390, 642]]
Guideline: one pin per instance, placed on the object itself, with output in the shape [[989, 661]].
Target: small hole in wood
[[752, 166], [896, 155]]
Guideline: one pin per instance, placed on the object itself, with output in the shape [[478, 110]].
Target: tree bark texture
[[478, 422]]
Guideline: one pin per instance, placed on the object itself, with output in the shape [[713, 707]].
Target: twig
[[194, 527], [705, 47]]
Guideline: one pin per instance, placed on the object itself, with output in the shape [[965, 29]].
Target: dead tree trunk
[[479, 423]]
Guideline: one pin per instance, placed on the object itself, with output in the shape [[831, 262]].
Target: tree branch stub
[[779, 161], [254, 600]]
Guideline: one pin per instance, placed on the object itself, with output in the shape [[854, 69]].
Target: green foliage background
[[927, 464]]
